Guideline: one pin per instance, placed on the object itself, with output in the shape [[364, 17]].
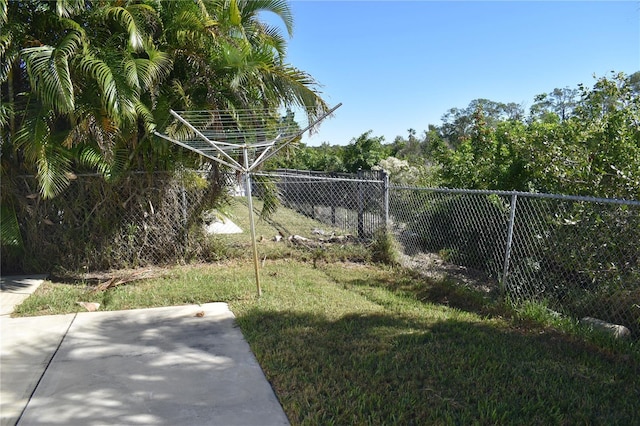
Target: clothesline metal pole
[[245, 153]]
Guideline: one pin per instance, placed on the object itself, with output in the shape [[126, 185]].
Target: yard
[[345, 341]]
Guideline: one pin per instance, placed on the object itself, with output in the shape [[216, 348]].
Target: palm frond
[[146, 116], [6, 62], [103, 76], [5, 42], [235, 18], [3, 11], [48, 70], [54, 169], [70, 24], [146, 14], [91, 157], [125, 18], [281, 8], [131, 72], [184, 100], [51, 161], [145, 73], [93, 128], [273, 37], [66, 8], [296, 87], [9, 228], [118, 166], [6, 111]]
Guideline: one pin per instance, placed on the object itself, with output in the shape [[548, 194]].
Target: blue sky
[[396, 65]]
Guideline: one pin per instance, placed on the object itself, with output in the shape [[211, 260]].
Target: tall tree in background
[[364, 152], [557, 105], [587, 147], [458, 124], [607, 123]]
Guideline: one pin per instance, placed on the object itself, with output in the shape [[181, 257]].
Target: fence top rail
[[310, 177], [522, 194], [362, 174], [307, 178]]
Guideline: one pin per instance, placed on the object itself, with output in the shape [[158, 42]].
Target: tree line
[[582, 141]]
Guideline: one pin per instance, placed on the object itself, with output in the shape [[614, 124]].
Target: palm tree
[[81, 80], [74, 77], [227, 58], [83, 73], [83, 84]]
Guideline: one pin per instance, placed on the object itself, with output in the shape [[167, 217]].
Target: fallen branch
[[135, 276], [303, 241]]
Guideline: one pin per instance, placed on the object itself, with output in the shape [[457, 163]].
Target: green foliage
[[384, 248], [458, 125], [583, 141], [555, 106], [9, 229], [301, 157], [84, 86], [78, 79], [132, 221], [488, 159], [364, 152]]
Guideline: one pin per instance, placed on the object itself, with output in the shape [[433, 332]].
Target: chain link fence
[[579, 256], [140, 220], [576, 255], [352, 203]]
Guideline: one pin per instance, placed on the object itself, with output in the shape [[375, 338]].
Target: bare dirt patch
[[434, 267]]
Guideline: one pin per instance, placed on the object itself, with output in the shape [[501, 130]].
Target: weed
[[384, 248]]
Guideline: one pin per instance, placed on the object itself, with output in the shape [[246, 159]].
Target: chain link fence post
[[333, 196], [507, 251], [384, 177], [360, 206]]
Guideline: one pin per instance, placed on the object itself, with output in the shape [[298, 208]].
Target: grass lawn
[[354, 343], [284, 223], [349, 344], [346, 343]]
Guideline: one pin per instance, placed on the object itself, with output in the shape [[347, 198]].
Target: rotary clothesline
[[223, 136], [220, 135]]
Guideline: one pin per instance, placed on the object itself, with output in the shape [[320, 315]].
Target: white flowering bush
[[402, 173]]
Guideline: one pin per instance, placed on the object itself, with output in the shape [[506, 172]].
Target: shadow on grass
[[426, 290], [385, 369]]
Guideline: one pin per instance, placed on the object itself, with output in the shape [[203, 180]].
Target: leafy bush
[[471, 229], [95, 225]]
